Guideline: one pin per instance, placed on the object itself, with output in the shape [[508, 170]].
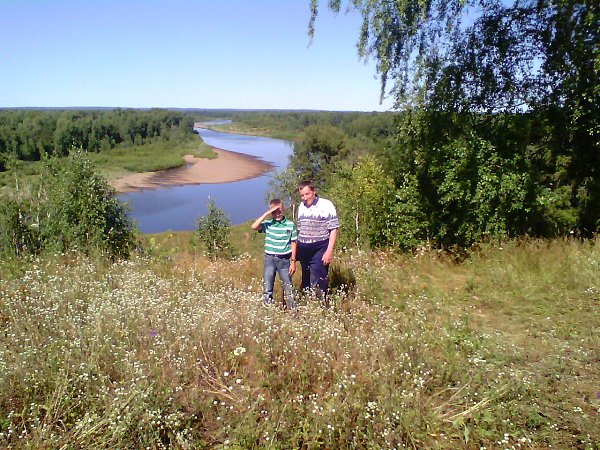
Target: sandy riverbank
[[228, 166]]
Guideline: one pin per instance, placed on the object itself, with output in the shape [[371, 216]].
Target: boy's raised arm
[[257, 223]]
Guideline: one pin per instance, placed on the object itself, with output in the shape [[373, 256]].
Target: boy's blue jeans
[[281, 265]]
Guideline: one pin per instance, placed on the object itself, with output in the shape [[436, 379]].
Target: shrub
[[213, 232], [74, 210], [19, 232], [362, 194], [82, 210]]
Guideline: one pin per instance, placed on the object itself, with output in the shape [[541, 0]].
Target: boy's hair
[[276, 201], [306, 183]]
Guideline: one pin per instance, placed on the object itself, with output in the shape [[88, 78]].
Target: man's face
[[308, 195]]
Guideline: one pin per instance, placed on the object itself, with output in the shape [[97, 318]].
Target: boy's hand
[[292, 270], [273, 209]]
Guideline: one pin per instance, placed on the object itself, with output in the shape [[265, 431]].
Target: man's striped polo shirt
[[279, 236]]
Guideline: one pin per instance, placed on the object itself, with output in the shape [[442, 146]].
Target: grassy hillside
[[170, 350]]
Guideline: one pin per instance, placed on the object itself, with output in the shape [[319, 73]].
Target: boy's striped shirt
[[279, 236]]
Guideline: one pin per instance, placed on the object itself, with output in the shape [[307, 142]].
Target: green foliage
[[459, 178], [213, 232], [73, 209], [479, 193], [289, 124], [19, 228], [518, 78], [555, 207], [82, 211], [319, 147], [327, 139], [408, 225], [362, 195], [472, 177], [153, 157], [29, 135], [474, 55]]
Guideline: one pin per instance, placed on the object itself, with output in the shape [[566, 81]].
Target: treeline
[[69, 207], [398, 179], [29, 134], [374, 126]]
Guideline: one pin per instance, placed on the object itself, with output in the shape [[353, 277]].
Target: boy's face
[[278, 213]]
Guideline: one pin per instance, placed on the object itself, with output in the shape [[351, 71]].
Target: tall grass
[[171, 350]]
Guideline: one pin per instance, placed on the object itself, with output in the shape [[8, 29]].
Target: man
[[280, 251], [318, 226]]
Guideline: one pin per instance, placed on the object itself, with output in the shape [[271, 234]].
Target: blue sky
[[182, 53]]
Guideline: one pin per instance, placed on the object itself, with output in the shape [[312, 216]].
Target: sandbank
[[228, 166]]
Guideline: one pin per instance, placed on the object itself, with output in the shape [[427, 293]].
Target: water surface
[[177, 208]]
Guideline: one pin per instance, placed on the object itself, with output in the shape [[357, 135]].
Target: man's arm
[[328, 255]]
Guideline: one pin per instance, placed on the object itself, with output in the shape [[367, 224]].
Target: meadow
[[169, 349], [118, 162], [254, 130], [149, 157]]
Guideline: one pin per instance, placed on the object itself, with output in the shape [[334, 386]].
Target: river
[[177, 208]]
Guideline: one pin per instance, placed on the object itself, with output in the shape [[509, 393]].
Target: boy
[[280, 251]]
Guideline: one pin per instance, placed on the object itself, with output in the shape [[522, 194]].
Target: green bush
[[365, 200], [19, 230], [74, 209], [213, 232]]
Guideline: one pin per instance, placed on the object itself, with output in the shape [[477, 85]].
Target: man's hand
[[292, 270], [327, 257]]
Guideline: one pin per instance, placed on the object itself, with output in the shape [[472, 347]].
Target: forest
[[28, 135]]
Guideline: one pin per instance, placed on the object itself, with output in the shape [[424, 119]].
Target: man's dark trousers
[[314, 272]]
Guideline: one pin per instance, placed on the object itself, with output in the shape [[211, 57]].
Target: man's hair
[[306, 183], [276, 201]]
